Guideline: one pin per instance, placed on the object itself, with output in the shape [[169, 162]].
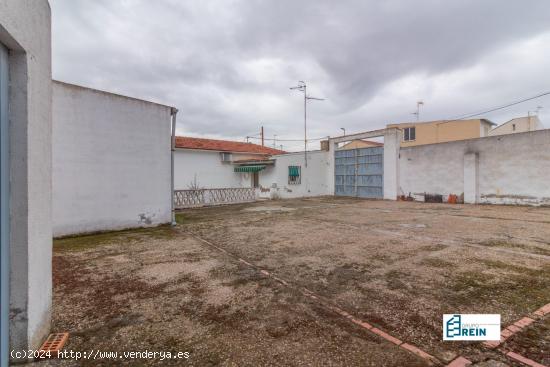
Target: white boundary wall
[[315, 178], [111, 161], [506, 169]]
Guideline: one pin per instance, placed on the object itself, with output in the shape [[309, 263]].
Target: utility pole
[[262, 134], [274, 140], [302, 87]]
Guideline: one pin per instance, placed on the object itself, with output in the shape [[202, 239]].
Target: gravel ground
[[397, 265]]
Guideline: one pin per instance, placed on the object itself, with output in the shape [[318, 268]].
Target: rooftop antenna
[[303, 88], [262, 133], [417, 113]]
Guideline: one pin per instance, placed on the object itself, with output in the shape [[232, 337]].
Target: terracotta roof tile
[[185, 142]]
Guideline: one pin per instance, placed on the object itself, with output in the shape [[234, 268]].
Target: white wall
[[25, 30], [392, 143], [315, 180], [208, 170], [507, 169], [111, 161]]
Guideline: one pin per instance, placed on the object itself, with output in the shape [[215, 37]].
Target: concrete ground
[[308, 268]]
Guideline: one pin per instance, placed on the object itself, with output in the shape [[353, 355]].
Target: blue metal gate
[[359, 172]]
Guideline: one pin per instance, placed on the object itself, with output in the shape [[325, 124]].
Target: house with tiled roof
[[212, 163]]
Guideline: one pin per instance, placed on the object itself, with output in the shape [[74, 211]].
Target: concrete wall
[[510, 169], [25, 31], [392, 141], [507, 169], [316, 178], [111, 161], [207, 170]]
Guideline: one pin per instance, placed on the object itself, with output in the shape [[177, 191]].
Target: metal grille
[[206, 197], [359, 172]]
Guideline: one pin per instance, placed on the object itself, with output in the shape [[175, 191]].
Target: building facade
[[518, 125], [290, 177], [356, 144], [111, 161], [215, 164], [431, 132]]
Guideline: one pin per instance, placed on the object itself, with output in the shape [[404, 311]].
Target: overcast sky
[[227, 65]]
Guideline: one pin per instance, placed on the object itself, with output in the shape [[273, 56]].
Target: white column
[[471, 179], [330, 168], [392, 141]]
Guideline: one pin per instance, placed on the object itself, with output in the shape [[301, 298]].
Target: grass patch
[[517, 246], [436, 262], [436, 247], [89, 241], [521, 289], [85, 242], [394, 280]]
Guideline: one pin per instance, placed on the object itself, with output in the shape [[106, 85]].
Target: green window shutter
[[256, 168], [293, 171]]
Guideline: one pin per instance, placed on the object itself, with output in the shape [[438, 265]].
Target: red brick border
[[543, 311], [459, 362], [514, 328], [517, 326], [521, 359], [328, 305]]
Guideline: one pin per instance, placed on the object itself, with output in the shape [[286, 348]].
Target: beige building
[[441, 131], [518, 125], [358, 143]]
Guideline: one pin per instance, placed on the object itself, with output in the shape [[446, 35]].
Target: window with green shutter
[[294, 174]]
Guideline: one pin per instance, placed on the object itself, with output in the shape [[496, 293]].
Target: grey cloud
[[197, 55]]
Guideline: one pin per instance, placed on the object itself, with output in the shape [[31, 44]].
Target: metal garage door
[[359, 172]]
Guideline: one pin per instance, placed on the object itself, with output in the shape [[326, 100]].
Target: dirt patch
[[399, 266], [533, 343]]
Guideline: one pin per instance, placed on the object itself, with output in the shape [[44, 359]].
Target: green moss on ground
[[520, 289], [92, 240]]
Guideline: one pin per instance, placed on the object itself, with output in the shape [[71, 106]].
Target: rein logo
[[471, 327]]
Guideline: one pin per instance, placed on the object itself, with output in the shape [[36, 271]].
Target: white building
[[111, 161], [214, 164], [289, 177], [518, 125], [25, 178]]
